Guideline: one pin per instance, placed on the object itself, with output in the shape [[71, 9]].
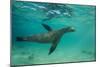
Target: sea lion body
[[42, 38], [52, 36]]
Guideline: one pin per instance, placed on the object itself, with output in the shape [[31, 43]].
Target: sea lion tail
[[19, 39]]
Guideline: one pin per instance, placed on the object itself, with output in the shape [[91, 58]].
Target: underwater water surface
[[76, 46]]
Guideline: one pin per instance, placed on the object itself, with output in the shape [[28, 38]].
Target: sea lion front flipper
[[47, 27], [54, 45]]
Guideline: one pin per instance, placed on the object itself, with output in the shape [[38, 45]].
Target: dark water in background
[[76, 46]]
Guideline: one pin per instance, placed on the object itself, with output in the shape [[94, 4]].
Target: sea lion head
[[69, 29]]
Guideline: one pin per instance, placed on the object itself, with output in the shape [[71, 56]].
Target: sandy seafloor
[[73, 47]]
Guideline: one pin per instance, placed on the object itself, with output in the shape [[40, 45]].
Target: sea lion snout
[[70, 29]]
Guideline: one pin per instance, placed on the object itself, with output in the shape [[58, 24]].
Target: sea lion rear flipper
[[54, 45], [19, 38], [47, 27]]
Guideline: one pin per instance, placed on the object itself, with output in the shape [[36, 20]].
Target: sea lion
[[52, 36]]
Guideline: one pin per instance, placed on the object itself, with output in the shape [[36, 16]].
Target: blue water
[[27, 18]]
